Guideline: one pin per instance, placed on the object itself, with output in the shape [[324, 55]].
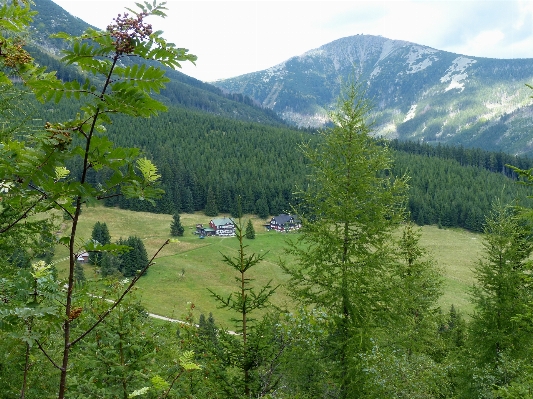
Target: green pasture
[[184, 270]]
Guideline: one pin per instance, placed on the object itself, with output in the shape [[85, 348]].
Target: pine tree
[[176, 228], [250, 231]]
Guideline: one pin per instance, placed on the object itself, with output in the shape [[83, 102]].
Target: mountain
[[183, 91], [419, 93]]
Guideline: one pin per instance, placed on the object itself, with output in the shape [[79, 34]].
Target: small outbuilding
[[83, 257]]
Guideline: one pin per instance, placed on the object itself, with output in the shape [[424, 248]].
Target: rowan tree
[[33, 175]]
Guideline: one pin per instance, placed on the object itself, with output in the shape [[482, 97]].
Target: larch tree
[[497, 340], [344, 250]]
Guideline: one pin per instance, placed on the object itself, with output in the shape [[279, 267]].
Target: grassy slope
[[185, 270]]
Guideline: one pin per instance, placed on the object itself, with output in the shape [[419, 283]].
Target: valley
[[186, 269]]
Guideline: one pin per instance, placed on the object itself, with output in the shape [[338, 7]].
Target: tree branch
[[119, 300], [48, 357], [24, 215]]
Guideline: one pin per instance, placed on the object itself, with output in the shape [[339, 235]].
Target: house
[[83, 257], [204, 231], [223, 227], [284, 222]]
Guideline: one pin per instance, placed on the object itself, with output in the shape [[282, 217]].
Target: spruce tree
[[135, 259], [188, 202], [261, 208], [211, 205], [79, 274], [245, 300], [110, 265], [100, 235], [250, 231], [176, 228]]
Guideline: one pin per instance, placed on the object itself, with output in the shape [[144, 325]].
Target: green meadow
[[184, 270]]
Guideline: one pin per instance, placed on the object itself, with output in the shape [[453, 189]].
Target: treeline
[[203, 157], [492, 161], [444, 193]]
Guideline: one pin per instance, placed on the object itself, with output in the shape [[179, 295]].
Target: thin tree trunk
[[26, 369]]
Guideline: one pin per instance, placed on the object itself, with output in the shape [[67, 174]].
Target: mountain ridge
[[419, 93]]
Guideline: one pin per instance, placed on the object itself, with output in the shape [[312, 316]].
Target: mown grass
[[185, 270]]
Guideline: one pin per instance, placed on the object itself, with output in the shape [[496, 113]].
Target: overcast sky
[[232, 38]]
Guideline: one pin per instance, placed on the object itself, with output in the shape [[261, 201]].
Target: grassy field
[[184, 270]]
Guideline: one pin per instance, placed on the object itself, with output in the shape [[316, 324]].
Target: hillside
[[419, 93], [207, 143], [183, 90]]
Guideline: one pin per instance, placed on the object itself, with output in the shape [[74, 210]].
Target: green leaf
[[61, 172], [148, 170], [186, 361]]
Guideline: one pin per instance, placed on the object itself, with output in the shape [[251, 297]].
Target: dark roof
[[284, 218], [222, 221]]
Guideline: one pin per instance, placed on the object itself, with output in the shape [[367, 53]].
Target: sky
[[232, 38]]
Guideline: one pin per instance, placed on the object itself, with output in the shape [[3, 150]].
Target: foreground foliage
[[33, 173]]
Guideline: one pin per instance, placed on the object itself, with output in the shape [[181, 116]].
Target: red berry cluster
[[126, 30], [59, 138], [14, 54]]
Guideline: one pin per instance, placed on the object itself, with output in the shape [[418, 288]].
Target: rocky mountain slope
[[419, 93]]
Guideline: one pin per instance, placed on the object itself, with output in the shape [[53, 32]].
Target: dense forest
[[263, 165], [363, 321]]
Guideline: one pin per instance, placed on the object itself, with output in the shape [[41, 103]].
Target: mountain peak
[[419, 92]]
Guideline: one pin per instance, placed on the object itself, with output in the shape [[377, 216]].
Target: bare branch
[[119, 300], [47, 356]]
